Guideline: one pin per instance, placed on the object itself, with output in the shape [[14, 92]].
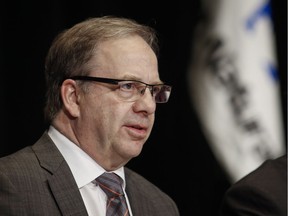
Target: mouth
[[137, 131]]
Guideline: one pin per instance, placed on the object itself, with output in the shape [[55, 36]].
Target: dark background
[[177, 157]]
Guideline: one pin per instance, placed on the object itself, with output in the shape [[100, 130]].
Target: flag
[[234, 85]]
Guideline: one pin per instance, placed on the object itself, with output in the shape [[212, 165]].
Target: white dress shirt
[[85, 170]]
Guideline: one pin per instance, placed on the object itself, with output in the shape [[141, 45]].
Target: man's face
[[111, 129]]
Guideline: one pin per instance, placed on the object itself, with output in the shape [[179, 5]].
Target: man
[[102, 89], [263, 192]]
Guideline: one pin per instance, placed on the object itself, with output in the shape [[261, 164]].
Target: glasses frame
[[116, 82]]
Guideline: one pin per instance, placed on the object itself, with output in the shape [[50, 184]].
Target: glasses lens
[[162, 96], [133, 90]]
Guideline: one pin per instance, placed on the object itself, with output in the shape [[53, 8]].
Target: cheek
[[106, 110], [110, 112], [152, 120]]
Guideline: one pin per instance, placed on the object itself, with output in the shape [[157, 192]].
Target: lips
[[139, 127], [137, 131]]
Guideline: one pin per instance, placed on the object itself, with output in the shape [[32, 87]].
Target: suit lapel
[[137, 203], [61, 181], [66, 192]]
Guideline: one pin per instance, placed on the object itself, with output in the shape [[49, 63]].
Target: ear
[[70, 97]]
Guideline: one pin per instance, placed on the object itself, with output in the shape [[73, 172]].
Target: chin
[[135, 150]]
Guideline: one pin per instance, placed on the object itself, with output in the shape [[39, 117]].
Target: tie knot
[[110, 183]]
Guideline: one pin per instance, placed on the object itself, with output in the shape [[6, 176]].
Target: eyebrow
[[132, 77]]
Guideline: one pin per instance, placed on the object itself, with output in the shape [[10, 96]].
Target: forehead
[[126, 57]]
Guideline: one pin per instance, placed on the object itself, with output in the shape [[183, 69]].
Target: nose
[[146, 103], [143, 90], [151, 90]]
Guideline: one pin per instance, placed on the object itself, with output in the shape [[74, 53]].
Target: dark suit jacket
[[262, 192], [37, 181]]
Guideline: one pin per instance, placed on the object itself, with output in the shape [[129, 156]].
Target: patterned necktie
[[110, 183]]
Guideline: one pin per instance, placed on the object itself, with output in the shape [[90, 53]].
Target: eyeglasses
[[132, 90]]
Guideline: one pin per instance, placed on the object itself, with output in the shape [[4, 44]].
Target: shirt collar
[[83, 167]]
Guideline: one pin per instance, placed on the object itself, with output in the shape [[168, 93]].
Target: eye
[[157, 89], [127, 86]]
